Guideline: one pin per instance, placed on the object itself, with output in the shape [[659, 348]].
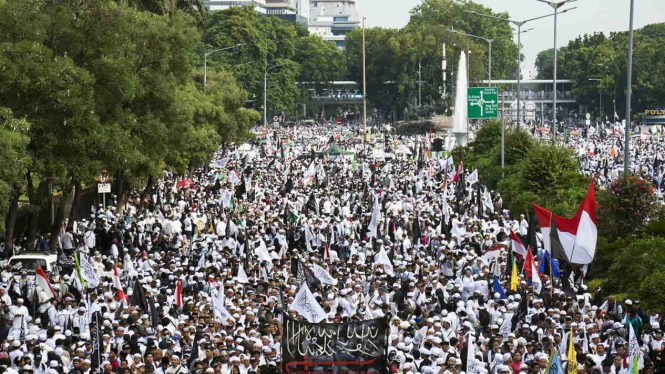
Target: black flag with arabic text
[[352, 347]]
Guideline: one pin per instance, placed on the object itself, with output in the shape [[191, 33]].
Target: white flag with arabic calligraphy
[[306, 305]]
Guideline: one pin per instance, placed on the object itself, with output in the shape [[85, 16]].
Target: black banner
[[339, 348], [97, 343]]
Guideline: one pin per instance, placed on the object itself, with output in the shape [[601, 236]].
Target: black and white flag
[[306, 305]]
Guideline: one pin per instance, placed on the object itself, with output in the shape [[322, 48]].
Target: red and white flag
[[517, 245], [460, 170], [578, 235], [587, 231], [178, 294], [492, 253], [119, 294], [42, 281]]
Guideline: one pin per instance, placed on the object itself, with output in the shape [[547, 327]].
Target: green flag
[[232, 203], [78, 268], [354, 166]]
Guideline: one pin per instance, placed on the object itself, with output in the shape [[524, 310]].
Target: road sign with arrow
[[483, 102]]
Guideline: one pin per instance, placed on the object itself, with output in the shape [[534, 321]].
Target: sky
[[589, 17]]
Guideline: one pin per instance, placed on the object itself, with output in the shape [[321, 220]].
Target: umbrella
[[185, 183], [543, 129]]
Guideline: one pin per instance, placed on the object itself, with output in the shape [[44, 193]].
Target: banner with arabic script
[[340, 348]]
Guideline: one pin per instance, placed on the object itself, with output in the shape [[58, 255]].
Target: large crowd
[[195, 275]]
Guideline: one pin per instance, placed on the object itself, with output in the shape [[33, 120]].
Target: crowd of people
[[196, 275]]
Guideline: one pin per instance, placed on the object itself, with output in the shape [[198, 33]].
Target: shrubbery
[[630, 256]]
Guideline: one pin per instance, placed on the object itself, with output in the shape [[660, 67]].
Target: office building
[[333, 19], [213, 5]]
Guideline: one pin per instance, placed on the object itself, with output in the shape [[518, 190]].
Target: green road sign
[[482, 102]]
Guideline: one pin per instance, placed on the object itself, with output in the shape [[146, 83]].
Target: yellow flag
[[572, 356], [514, 280]]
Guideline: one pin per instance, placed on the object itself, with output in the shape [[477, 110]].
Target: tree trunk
[[57, 220], [11, 225], [191, 166], [149, 184], [123, 192], [74, 212], [36, 203]]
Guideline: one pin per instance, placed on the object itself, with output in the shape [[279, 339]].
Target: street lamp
[[265, 91], [364, 89], [629, 92], [555, 5], [205, 61], [489, 42], [519, 25], [600, 102]]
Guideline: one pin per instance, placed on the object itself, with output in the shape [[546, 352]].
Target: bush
[[634, 266], [487, 137], [651, 289], [626, 207]]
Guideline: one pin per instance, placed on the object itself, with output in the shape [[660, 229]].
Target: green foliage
[[634, 266], [487, 137], [626, 207], [449, 14], [105, 83], [320, 62], [394, 56], [268, 41], [597, 56], [14, 157], [545, 62], [193, 8], [535, 172]]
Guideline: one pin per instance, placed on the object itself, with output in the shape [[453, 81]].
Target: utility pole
[[420, 82], [519, 25], [444, 66], [364, 86], [629, 92], [205, 61], [265, 90], [555, 5]]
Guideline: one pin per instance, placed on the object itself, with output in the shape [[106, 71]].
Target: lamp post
[[629, 92], [489, 42], [600, 101], [519, 25], [555, 5], [265, 91], [205, 61], [364, 88]]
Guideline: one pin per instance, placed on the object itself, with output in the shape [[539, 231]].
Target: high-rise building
[[333, 19], [291, 10], [213, 5]]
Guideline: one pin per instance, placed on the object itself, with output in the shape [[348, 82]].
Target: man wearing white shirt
[[524, 226]]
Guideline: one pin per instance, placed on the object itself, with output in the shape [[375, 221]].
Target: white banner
[[242, 276], [88, 272], [473, 177], [375, 217], [384, 260], [323, 275], [220, 310], [305, 304]]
